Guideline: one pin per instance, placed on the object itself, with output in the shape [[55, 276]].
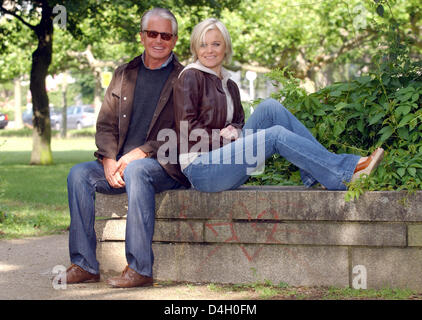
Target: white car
[[79, 117]]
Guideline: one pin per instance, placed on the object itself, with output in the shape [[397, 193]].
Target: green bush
[[87, 132], [382, 108], [25, 132]]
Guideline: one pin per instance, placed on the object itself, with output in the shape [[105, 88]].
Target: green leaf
[[376, 118], [359, 125], [386, 133], [406, 119], [403, 109], [412, 171], [401, 171], [339, 128], [336, 93], [403, 133], [319, 112], [364, 79], [316, 101], [405, 97], [340, 106]]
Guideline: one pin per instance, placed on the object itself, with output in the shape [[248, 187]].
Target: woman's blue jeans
[[143, 178], [269, 130]]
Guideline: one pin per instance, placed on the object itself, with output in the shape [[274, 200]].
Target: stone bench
[[294, 235]]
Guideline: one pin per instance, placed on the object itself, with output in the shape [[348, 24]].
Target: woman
[[218, 152]]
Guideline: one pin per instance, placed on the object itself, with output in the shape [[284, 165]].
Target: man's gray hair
[[163, 13]]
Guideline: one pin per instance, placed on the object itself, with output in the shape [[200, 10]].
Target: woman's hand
[[230, 133]]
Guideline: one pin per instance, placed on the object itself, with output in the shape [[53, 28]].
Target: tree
[[41, 59], [307, 36]]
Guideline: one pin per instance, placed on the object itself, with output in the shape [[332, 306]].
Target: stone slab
[[234, 263], [390, 267], [315, 233], [275, 203], [414, 235], [222, 231], [330, 205], [180, 230]]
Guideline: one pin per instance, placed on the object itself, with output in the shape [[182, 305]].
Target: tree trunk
[[41, 59], [18, 104], [64, 110]]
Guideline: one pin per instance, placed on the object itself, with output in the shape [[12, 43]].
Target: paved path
[[26, 272]]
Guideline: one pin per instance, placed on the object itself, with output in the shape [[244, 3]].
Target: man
[[138, 103]]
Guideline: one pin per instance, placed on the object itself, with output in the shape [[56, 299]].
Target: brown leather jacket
[[200, 100], [116, 110]]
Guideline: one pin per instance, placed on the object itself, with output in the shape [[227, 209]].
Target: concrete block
[[234, 263], [322, 233], [111, 256], [180, 230], [330, 205], [110, 206], [199, 205], [390, 267], [414, 235], [275, 203]]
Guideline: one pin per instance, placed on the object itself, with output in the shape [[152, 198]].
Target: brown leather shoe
[[75, 274], [129, 279], [369, 165]]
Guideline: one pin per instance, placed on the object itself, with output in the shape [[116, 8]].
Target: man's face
[[157, 50]]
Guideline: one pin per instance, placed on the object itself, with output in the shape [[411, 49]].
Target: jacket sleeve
[[238, 120], [151, 148], [187, 94], [107, 128]]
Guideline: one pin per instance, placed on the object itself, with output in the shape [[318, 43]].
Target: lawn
[[33, 199]]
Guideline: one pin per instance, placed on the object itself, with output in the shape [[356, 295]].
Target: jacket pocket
[[115, 94]]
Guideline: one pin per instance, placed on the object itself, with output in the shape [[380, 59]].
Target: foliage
[[310, 36], [382, 108]]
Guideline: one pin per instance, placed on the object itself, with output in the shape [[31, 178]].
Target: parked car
[[3, 120], [55, 118], [81, 116]]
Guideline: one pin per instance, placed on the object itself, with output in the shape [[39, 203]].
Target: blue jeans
[[143, 178], [271, 129]]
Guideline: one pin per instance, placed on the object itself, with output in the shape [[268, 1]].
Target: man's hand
[[127, 158], [112, 175], [230, 133]]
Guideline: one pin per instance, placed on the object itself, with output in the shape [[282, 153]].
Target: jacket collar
[[199, 66], [135, 63]]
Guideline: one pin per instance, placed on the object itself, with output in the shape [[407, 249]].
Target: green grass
[[33, 199], [282, 291]]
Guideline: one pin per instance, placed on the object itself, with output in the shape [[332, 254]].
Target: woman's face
[[211, 51]]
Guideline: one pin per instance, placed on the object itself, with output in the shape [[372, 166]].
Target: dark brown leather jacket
[[116, 110], [200, 100]]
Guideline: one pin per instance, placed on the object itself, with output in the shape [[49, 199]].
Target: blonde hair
[[198, 34]]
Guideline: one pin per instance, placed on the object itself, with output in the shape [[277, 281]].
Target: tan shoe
[[369, 165], [75, 274], [129, 279]]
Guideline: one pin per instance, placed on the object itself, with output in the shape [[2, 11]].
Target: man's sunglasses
[[154, 34]]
